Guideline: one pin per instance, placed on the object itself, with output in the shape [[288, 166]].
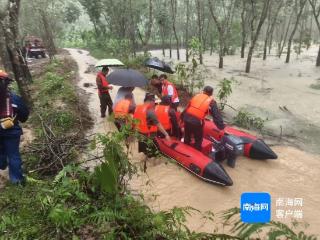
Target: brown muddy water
[[295, 174]]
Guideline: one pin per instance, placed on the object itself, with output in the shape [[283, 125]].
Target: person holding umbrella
[[103, 90], [12, 110]]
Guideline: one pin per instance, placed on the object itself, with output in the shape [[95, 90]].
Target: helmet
[[3, 74]]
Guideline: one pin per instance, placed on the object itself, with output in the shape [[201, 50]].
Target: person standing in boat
[[166, 88], [148, 122], [103, 90], [167, 116], [123, 110], [197, 109]]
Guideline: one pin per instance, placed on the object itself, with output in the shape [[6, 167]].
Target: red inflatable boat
[[253, 147], [199, 163]]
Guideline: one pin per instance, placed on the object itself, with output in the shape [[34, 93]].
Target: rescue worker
[[155, 82], [103, 90], [121, 94], [148, 123], [12, 110], [122, 110], [167, 89], [194, 114], [167, 116]]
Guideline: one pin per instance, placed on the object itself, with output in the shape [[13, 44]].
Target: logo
[[255, 207]]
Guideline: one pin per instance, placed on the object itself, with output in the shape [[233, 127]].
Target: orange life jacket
[[199, 105], [121, 109], [164, 92], [140, 114], [104, 83], [162, 113]]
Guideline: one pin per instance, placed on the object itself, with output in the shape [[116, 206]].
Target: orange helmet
[[3, 74]]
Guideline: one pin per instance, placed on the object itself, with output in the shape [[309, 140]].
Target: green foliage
[[192, 75], [248, 120], [274, 230], [315, 86], [73, 201], [224, 92], [55, 121]]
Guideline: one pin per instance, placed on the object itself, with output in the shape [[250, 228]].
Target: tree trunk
[[302, 4], [248, 65], [187, 31], [170, 47], [318, 58], [255, 35], [49, 42], [270, 42], [148, 31], [244, 29], [3, 53], [265, 47], [199, 29], [174, 13], [132, 30], [316, 14], [270, 29], [21, 72], [243, 46]]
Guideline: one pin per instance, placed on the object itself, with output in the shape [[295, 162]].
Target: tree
[[272, 20], [187, 30], [148, 27], [223, 24], [299, 6], [174, 4], [199, 8], [9, 24], [244, 26], [255, 26], [315, 5]]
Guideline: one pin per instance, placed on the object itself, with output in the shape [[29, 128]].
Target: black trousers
[[175, 105], [105, 101], [195, 129]]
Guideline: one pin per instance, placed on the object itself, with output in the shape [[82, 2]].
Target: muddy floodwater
[[295, 174]]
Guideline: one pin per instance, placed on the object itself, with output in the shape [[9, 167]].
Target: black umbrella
[[156, 63], [127, 78]]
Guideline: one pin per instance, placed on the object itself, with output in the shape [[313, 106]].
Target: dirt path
[[294, 174]]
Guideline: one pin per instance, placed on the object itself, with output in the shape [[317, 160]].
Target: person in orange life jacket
[[122, 110], [103, 89], [169, 89], [12, 110], [193, 116], [166, 88], [148, 123], [168, 117]]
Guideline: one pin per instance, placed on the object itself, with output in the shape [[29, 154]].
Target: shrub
[[248, 120]]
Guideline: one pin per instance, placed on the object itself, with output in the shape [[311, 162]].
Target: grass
[[315, 86]]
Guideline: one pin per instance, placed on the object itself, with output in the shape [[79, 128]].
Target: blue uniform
[[10, 140]]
